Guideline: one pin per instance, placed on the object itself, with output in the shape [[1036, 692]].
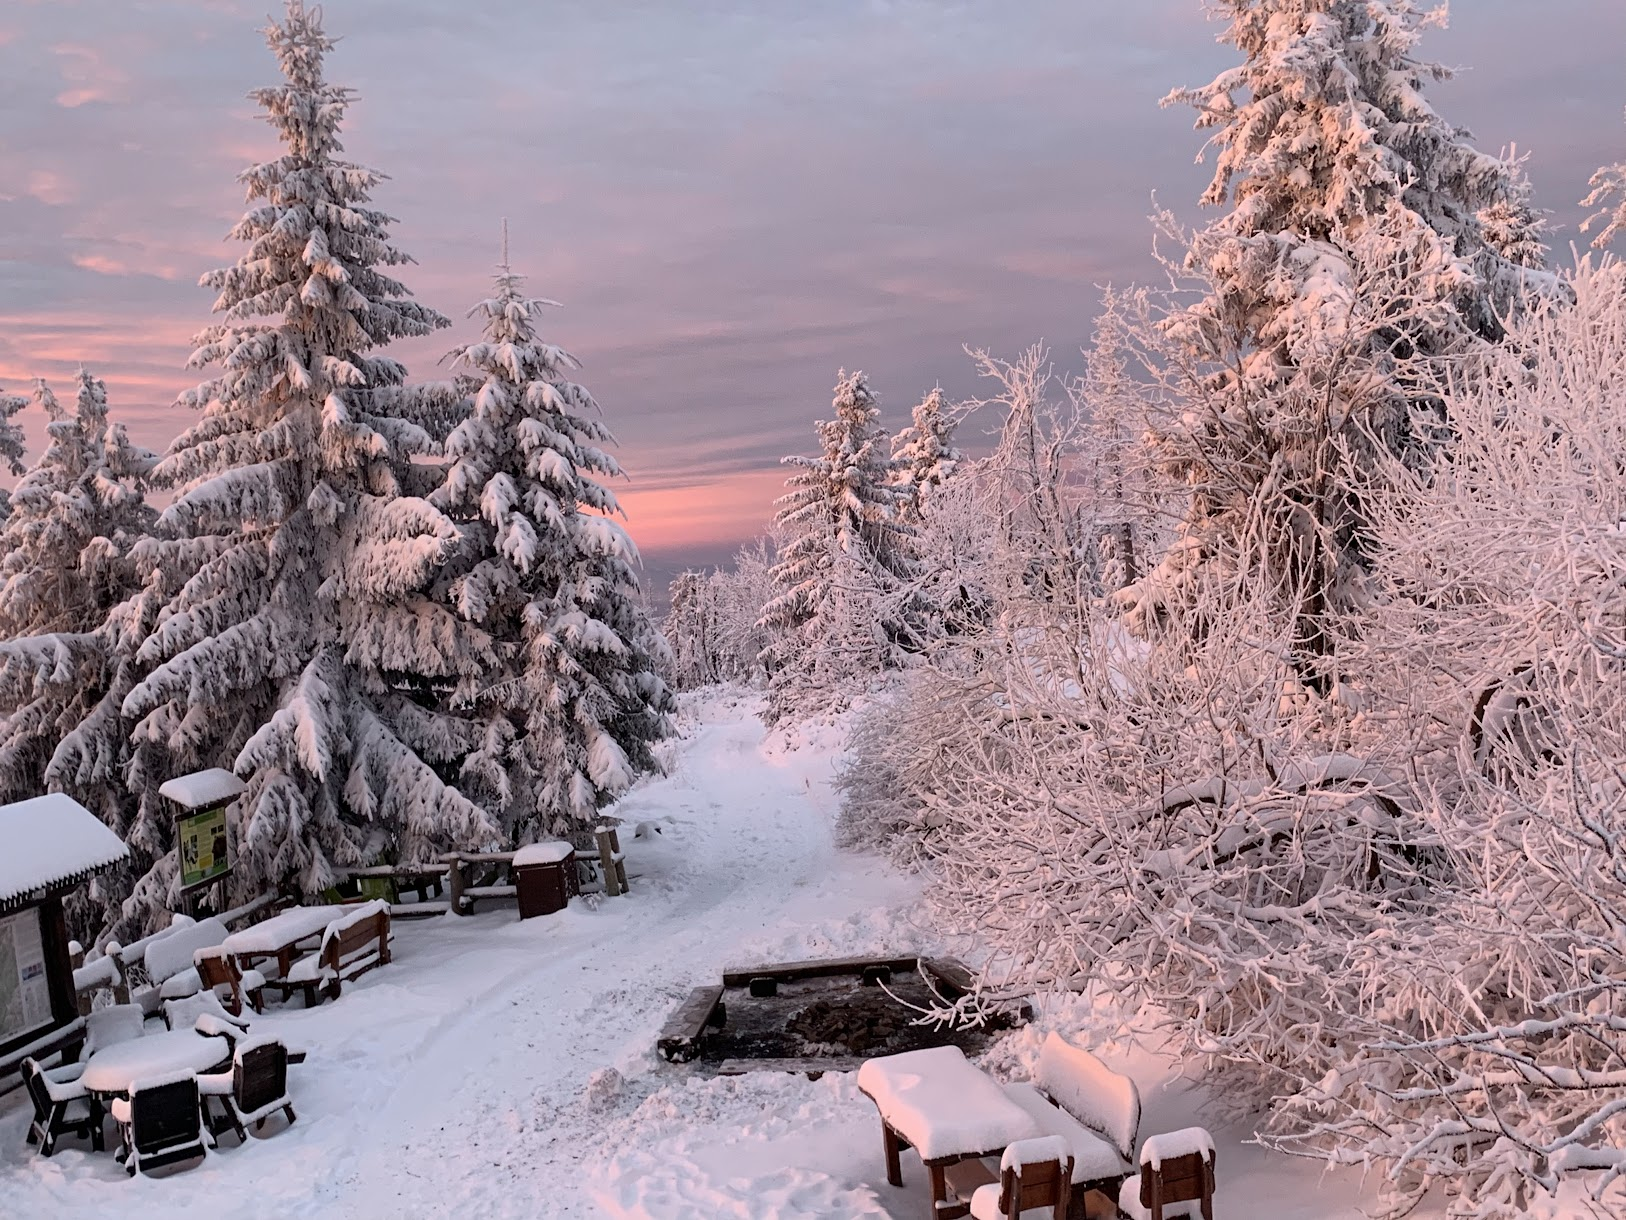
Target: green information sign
[[201, 838]]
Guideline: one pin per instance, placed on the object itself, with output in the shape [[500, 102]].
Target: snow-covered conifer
[[546, 572], [924, 452], [1608, 195], [298, 642], [1354, 243], [11, 442], [66, 571], [838, 604]]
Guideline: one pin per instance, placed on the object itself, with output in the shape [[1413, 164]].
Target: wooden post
[[454, 878], [615, 871]]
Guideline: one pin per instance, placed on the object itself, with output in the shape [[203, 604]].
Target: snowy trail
[[455, 1082]]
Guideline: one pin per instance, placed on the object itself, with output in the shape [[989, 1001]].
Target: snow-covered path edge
[[469, 1077]]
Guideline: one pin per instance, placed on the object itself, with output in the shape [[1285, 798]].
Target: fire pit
[[821, 1016]]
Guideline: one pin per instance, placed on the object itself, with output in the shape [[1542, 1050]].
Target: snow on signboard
[[25, 994], [202, 789]]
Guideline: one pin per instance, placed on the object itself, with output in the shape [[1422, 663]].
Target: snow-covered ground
[[468, 1077]]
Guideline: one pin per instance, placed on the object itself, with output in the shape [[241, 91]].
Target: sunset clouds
[[731, 197]]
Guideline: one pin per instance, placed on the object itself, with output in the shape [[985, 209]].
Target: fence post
[[454, 881], [610, 860]]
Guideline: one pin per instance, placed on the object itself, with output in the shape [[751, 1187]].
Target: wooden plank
[[471, 892], [398, 870], [953, 977], [812, 1065], [786, 972], [679, 1040], [416, 910]]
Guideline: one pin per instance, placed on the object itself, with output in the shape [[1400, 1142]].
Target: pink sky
[[733, 198]]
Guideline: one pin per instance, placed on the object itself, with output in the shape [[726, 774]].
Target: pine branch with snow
[[924, 452], [1608, 195]]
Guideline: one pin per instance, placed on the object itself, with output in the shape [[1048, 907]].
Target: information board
[[201, 839], [25, 992]]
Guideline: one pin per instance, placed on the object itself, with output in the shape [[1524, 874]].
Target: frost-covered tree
[[1341, 182], [840, 598], [298, 642], [1608, 195], [76, 514], [545, 572], [923, 453], [67, 563], [1497, 663], [12, 442]]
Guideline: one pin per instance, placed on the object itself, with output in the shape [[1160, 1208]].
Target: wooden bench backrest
[[360, 937], [1091, 1092], [1178, 1180], [1045, 1184], [260, 1075], [216, 968]]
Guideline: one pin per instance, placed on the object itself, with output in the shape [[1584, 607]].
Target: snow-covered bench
[[352, 945], [1094, 1109], [168, 961]]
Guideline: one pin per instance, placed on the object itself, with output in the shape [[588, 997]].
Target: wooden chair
[[61, 1106], [109, 1026], [161, 1122], [254, 1090], [1035, 1183], [185, 1014], [1176, 1170], [218, 970]]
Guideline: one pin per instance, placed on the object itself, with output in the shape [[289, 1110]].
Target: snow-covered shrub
[[566, 719], [1498, 662]]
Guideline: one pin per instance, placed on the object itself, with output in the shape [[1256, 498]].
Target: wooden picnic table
[[111, 1071], [947, 1110], [281, 935]]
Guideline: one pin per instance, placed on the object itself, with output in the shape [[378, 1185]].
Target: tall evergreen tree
[[297, 642], [1354, 242], [843, 561], [544, 570]]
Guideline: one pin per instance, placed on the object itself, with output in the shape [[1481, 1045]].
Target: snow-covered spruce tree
[[66, 558], [1340, 177], [545, 571], [840, 604], [924, 452], [1501, 637], [298, 644], [1608, 195]]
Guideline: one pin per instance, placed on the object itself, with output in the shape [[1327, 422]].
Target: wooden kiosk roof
[[52, 843]]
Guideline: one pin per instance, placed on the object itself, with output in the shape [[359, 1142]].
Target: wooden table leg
[[892, 1146], [939, 1191]]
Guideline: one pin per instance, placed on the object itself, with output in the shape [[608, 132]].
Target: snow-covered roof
[[52, 842], [202, 789]]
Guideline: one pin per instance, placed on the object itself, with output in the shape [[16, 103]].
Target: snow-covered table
[[944, 1108], [113, 1070], [280, 936]]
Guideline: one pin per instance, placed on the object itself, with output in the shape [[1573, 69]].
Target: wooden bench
[[1096, 1110], [351, 946]]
